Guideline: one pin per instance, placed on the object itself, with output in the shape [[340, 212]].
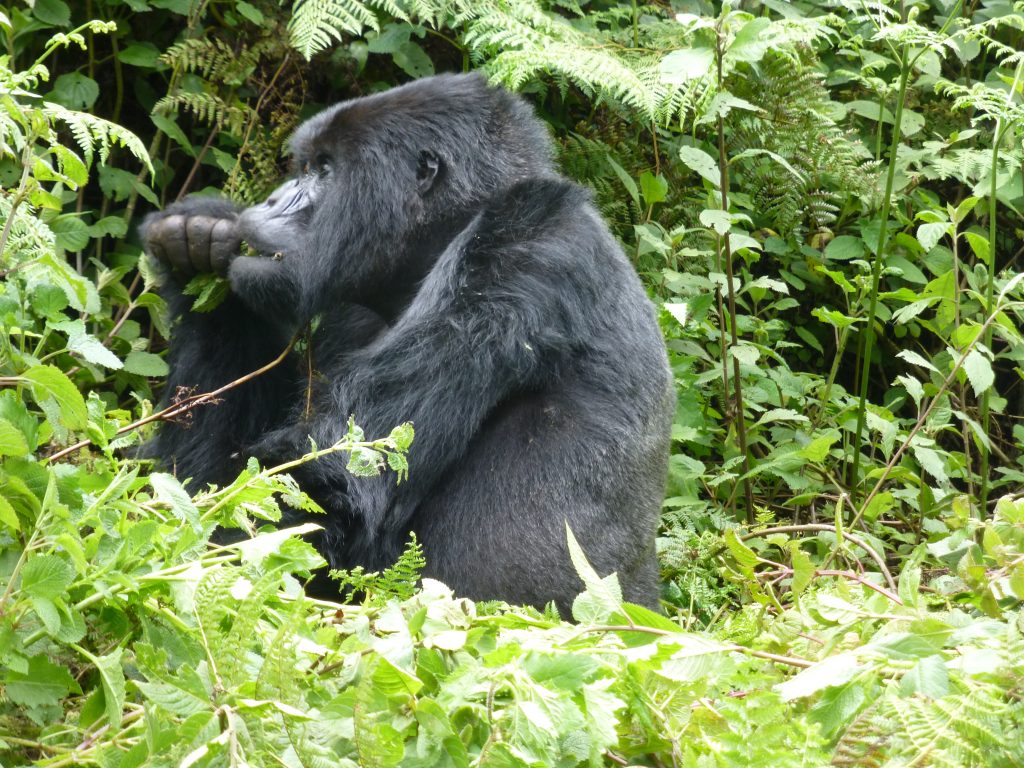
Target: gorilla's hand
[[204, 241]]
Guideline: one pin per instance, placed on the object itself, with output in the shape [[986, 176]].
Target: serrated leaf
[[832, 671], [8, 516], [687, 64], [928, 235], [916, 359], [46, 576], [49, 383], [170, 491], [929, 677], [745, 557], [12, 440], [931, 462], [87, 346], [979, 372], [145, 364], [112, 678], [700, 161], [45, 684]]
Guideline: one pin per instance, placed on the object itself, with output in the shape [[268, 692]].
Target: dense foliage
[[827, 200]]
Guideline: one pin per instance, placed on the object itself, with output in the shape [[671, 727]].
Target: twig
[[182, 406], [829, 528]]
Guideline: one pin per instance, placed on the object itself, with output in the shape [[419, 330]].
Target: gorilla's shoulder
[[535, 209]]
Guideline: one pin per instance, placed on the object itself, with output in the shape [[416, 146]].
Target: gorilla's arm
[[500, 309], [212, 349]]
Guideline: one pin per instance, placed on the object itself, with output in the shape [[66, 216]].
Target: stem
[[998, 133], [182, 406], [723, 171], [876, 272]]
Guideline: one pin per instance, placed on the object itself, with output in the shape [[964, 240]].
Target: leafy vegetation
[[826, 200]]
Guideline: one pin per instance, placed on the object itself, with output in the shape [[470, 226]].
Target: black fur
[[464, 285]]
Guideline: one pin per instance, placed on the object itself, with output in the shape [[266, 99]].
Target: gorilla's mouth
[[249, 250]]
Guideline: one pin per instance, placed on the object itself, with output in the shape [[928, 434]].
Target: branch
[[182, 406]]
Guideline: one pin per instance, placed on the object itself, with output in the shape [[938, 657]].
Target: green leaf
[[844, 248], [979, 372], [928, 235], [249, 11], [145, 364], [626, 179], [931, 462], [112, 677], [8, 516], [75, 91], [72, 233], [687, 64], [87, 346], [979, 245], [834, 670], [929, 677], [12, 440], [45, 684], [413, 60], [654, 188], [803, 569], [48, 382], [744, 555], [170, 491], [53, 12], [47, 576], [817, 450], [173, 130], [750, 43], [700, 161], [143, 54]]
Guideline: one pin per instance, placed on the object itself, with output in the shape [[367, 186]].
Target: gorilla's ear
[[427, 170]]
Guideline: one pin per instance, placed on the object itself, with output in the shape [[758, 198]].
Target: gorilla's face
[[381, 186], [277, 227]]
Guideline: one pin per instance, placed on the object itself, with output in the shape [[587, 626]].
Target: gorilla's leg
[[496, 524]]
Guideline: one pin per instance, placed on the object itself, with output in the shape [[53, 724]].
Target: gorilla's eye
[[321, 165]]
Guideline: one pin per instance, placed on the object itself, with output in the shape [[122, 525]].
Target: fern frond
[[315, 24], [96, 134]]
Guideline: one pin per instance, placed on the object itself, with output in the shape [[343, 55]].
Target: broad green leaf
[[700, 161], [145, 364], [929, 677], [44, 685], [170, 491], [844, 248], [744, 555], [915, 359], [835, 670], [112, 677], [687, 64], [654, 188], [12, 440], [677, 309], [931, 462], [84, 344], [142, 54], [980, 245], [8, 516], [47, 576], [979, 372], [928, 235], [48, 382], [75, 91]]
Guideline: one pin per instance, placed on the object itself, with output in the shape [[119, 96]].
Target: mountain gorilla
[[459, 283]]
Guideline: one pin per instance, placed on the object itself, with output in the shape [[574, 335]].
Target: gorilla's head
[[382, 184]]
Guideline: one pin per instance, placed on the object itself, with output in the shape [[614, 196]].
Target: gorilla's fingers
[[198, 229], [170, 232], [225, 244]]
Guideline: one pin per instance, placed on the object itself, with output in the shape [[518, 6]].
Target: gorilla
[[453, 279]]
